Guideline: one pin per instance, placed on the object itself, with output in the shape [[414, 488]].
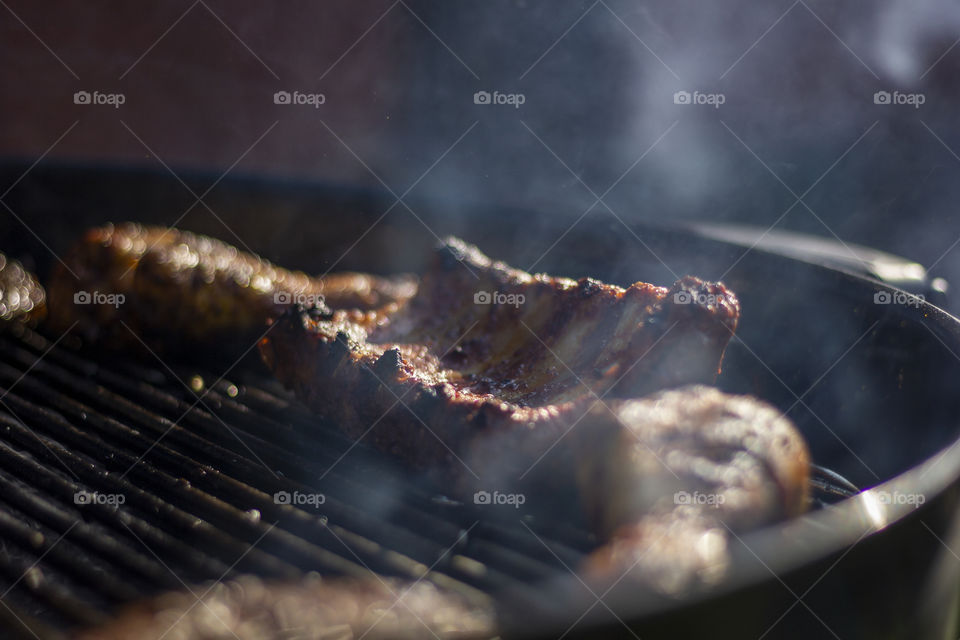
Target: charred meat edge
[[174, 290], [433, 379]]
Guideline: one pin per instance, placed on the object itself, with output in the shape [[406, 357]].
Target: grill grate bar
[[219, 516], [244, 467], [65, 555], [221, 513], [200, 499], [69, 602], [93, 537], [176, 523], [241, 467]]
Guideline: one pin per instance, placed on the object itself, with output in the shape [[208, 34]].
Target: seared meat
[[524, 390], [490, 379], [335, 609], [743, 457], [666, 478], [21, 296], [487, 367], [177, 290]]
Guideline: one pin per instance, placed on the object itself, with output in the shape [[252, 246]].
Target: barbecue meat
[[490, 379], [178, 290], [478, 375], [497, 380], [666, 478], [334, 609], [21, 296]]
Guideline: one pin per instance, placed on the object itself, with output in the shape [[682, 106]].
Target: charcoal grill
[[199, 501]]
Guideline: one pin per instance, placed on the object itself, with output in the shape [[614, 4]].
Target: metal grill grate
[[198, 469], [198, 478]]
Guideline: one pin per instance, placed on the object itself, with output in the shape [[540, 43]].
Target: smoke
[[904, 33], [797, 114], [581, 113]]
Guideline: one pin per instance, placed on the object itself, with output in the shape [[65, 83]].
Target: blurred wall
[[788, 91]]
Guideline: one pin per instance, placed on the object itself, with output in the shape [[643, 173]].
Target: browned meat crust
[[21, 296], [335, 609], [537, 378], [737, 449], [179, 290], [666, 478], [477, 390]]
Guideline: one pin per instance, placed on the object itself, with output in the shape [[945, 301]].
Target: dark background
[[599, 119]]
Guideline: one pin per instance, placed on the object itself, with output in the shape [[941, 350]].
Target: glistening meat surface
[[182, 290], [21, 296], [481, 372]]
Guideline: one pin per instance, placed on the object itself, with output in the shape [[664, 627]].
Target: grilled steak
[[21, 296], [487, 367], [666, 478], [337, 609], [178, 290]]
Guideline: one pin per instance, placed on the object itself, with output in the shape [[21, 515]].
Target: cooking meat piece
[[179, 290], [666, 478], [21, 296], [487, 367], [525, 390], [741, 457], [329, 609]]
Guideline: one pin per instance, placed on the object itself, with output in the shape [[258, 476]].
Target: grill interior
[[198, 457], [199, 503]]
